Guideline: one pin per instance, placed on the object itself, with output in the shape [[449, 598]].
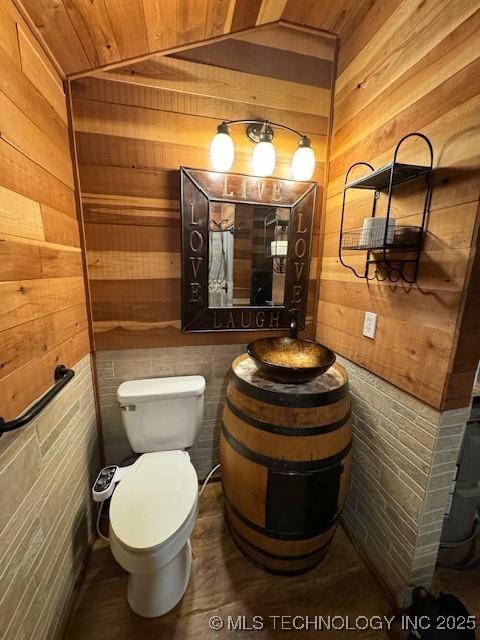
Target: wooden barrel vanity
[[285, 456]]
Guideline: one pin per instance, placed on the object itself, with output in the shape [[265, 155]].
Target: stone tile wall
[[404, 464], [212, 362], [46, 519]]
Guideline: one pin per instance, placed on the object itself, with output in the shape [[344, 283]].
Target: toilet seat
[[154, 500]]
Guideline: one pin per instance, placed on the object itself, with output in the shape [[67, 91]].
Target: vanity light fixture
[[222, 149], [264, 156], [303, 161]]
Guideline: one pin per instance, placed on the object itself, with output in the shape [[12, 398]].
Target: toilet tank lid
[[160, 388]]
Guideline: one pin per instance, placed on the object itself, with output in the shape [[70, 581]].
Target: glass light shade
[[222, 151], [263, 159], [303, 163]]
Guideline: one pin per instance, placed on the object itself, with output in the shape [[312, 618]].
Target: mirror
[[248, 246], [245, 251]]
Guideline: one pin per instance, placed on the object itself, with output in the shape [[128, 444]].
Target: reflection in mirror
[[248, 247]]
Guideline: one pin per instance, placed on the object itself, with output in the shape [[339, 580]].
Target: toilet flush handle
[[128, 407]]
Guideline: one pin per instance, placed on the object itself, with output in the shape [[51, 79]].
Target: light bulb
[[263, 159], [222, 149], [303, 161]]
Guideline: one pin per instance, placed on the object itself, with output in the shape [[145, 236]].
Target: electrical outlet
[[370, 325]]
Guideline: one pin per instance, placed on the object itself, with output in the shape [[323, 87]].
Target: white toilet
[[154, 507]]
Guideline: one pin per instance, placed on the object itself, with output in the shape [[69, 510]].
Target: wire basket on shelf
[[398, 237]]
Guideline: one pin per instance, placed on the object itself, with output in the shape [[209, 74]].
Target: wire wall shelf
[[379, 180], [392, 251]]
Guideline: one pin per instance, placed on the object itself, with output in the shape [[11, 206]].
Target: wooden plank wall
[[134, 128], [43, 318], [410, 67], [87, 35]]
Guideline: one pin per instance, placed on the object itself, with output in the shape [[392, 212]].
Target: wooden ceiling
[[87, 34], [273, 52]]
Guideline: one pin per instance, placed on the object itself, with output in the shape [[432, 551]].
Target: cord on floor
[[210, 474]]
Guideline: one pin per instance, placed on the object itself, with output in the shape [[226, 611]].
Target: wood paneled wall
[[134, 128], [47, 466], [85, 35], [43, 318], [410, 66]]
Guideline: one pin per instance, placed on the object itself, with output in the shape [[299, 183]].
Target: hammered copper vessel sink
[[290, 360]]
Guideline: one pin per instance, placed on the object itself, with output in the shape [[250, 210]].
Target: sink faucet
[[293, 329]]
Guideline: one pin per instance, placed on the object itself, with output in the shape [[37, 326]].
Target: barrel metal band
[[274, 556], [292, 466], [280, 535], [288, 431], [293, 400]]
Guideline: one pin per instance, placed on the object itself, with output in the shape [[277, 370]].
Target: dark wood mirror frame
[[198, 189]]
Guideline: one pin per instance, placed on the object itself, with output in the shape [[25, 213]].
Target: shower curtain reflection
[[220, 268]]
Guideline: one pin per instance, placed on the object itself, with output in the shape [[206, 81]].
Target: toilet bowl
[[152, 515]]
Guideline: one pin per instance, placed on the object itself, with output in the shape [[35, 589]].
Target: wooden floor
[[225, 583], [463, 584]]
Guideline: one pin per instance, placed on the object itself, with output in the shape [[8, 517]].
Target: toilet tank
[[162, 414]]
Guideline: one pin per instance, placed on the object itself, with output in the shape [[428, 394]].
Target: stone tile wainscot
[[46, 512], [404, 464]]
